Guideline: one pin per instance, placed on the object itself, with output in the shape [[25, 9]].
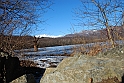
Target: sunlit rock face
[[27, 78], [83, 68]]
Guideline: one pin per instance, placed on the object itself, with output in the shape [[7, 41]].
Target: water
[[49, 55]]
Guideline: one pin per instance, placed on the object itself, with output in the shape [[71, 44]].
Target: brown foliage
[[27, 63]]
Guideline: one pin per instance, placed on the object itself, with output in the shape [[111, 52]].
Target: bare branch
[[95, 13]]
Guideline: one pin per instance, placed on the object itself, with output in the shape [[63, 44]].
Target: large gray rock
[[83, 68], [27, 78]]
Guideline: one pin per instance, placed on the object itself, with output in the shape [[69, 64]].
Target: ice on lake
[[47, 56]]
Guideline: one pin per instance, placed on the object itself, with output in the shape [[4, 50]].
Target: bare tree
[[36, 43], [100, 14], [19, 17]]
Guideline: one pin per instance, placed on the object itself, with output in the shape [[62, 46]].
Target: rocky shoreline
[[105, 67]]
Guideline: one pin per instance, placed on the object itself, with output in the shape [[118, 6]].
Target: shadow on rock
[[122, 79], [37, 72], [10, 69]]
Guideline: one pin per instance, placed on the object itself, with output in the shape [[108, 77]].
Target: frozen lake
[[47, 56], [52, 56]]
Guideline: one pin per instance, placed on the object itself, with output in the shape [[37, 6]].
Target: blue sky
[[59, 19]]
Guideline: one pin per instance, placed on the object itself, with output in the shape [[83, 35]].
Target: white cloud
[[45, 35]]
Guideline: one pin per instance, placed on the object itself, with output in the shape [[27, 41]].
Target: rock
[[83, 68], [13, 69], [10, 68], [110, 80], [27, 78], [49, 70]]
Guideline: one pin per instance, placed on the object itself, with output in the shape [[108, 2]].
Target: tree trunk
[[102, 10], [35, 43], [35, 48], [110, 37]]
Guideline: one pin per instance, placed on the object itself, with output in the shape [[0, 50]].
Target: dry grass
[[94, 49], [91, 50]]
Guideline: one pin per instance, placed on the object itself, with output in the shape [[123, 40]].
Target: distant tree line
[[25, 42]]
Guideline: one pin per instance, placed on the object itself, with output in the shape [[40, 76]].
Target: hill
[[116, 31]]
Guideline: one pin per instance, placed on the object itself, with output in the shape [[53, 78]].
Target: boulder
[[10, 68], [87, 69], [27, 78], [13, 69]]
